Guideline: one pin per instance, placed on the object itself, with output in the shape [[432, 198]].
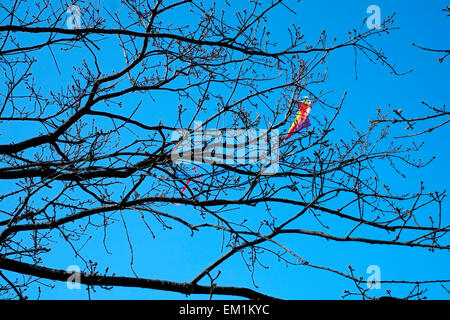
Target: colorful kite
[[301, 120]]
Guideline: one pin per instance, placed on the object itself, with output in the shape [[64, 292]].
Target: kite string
[[187, 183], [164, 192]]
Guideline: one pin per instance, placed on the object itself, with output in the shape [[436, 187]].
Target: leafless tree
[[89, 159], [440, 113], [445, 52]]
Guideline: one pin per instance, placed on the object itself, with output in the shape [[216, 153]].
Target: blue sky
[[174, 255]]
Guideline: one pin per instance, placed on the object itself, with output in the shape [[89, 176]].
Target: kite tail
[[186, 185]]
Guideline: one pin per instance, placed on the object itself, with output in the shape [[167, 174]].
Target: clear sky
[[174, 255]]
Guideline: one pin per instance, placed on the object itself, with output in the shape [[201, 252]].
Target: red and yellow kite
[[301, 120]]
